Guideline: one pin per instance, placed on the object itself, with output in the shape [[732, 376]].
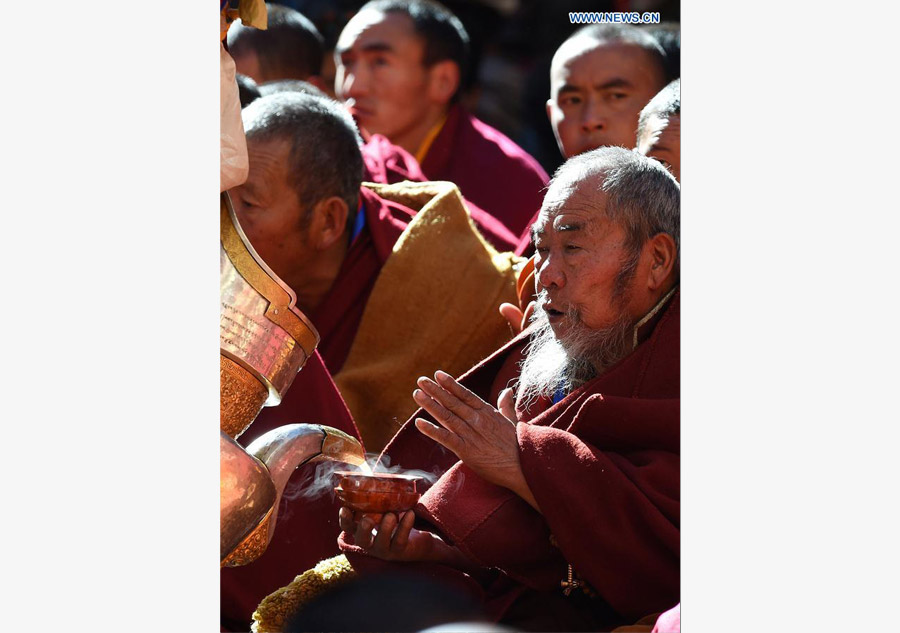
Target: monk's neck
[[417, 138], [312, 282]]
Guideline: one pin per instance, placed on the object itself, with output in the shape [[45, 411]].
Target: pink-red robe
[[489, 169], [603, 465], [387, 163]]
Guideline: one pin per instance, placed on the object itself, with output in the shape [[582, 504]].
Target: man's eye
[[570, 101], [617, 96], [542, 251], [571, 248], [380, 61], [661, 160]]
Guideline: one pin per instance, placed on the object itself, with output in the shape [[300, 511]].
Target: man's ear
[[329, 222], [663, 254], [549, 107], [443, 81]]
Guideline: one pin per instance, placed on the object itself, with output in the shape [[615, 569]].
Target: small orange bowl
[[377, 493]]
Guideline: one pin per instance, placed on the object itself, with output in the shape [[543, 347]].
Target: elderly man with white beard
[[559, 507]]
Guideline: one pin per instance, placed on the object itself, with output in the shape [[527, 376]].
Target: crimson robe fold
[[489, 169]]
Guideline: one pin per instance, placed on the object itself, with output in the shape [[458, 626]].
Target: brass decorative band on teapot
[[263, 338]]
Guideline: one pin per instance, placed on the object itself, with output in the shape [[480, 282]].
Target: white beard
[[552, 364]]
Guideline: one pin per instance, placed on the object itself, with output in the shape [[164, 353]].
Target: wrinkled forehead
[[572, 196]]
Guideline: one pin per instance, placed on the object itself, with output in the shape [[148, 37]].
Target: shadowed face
[[380, 74], [597, 92], [661, 139], [269, 211]]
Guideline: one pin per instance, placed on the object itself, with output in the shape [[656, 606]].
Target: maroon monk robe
[[337, 317], [492, 229], [524, 247], [603, 465], [387, 164], [489, 169], [304, 530]]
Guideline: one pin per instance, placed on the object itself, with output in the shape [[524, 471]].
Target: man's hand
[[518, 320], [393, 538], [483, 437], [388, 536]]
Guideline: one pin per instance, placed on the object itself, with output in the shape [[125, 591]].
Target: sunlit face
[[269, 211], [579, 256], [380, 74], [597, 92], [661, 139]]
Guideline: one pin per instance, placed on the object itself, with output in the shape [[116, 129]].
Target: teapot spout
[[340, 447], [286, 448], [276, 455]]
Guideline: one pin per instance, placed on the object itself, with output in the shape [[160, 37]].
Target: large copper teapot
[[264, 341]]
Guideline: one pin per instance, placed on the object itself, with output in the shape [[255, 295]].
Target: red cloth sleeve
[[493, 527], [609, 491]]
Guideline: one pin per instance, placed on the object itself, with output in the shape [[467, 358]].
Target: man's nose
[[355, 84], [593, 116], [549, 274]]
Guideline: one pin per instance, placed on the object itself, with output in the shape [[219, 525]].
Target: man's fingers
[[529, 312], [443, 415], [440, 435], [513, 316], [382, 541], [363, 536], [449, 383], [401, 536], [345, 519], [446, 398]]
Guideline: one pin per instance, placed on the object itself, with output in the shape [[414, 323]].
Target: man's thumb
[[506, 403]]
